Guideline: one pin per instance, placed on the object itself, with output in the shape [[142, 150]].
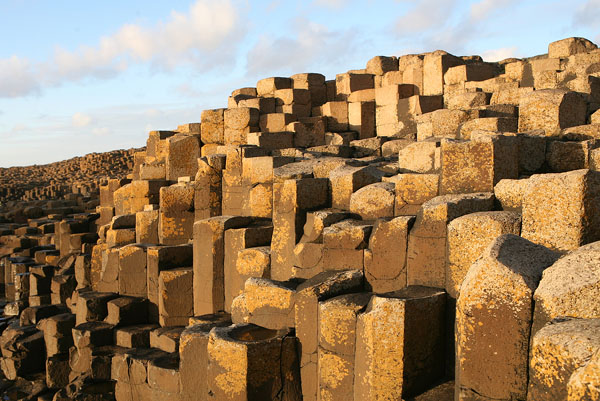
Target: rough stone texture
[[478, 165], [337, 343], [266, 303], [558, 350], [183, 152], [570, 287], [561, 211], [248, 362], [209, 290], [412, 190], [344, 244], [584, 383], [345, 180], [385, 258], [193, 348], [240, 262], [176, 220], [420, 157], [319, 288], [208, 187], [163, 258], [426, 254], [509, 193], [469, 236], [132, 271], [442, 123], [329, 176], [567, 156], [494, 318], [292, 199], [374, 201], [551, 110], [390, 369], [570, 46], [176, 296]]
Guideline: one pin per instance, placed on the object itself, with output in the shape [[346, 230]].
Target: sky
[[90, 76]]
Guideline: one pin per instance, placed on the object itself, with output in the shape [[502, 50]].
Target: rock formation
[[426, 228]]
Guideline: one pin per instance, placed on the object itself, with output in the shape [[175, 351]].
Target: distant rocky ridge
[[78, 175]]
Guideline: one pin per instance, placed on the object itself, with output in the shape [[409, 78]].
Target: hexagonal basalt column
[[251, 363]]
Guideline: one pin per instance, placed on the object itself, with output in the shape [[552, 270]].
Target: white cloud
[[485, 8], [588, 14], [81, 120], [17, 78], [273, 5], [336, 4], [152, 112], [448, 24], [188, 90], [206, 36], [424, 15], [312, 44], [500, 54], [101, 131]]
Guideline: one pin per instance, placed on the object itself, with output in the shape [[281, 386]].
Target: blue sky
[[79, 77]]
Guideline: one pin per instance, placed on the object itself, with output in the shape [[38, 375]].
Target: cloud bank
[[205, 37]]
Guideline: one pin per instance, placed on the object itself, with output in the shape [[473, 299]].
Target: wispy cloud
[[101, 131], [447, 24], [485, 8], [17, 77], [335, 4], [80, 120], [309, 44], [205, 36], [424, 15], [588, 14]]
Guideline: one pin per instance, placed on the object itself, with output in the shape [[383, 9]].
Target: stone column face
[[291, 200], [569, 287], [393, 369], [308, 295], [209, 256], [560, 211], [426, 254], [194, 356], [494, 318], [337, 341], [557, 350]]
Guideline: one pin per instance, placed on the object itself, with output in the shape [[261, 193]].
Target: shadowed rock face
[[425, 228]]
